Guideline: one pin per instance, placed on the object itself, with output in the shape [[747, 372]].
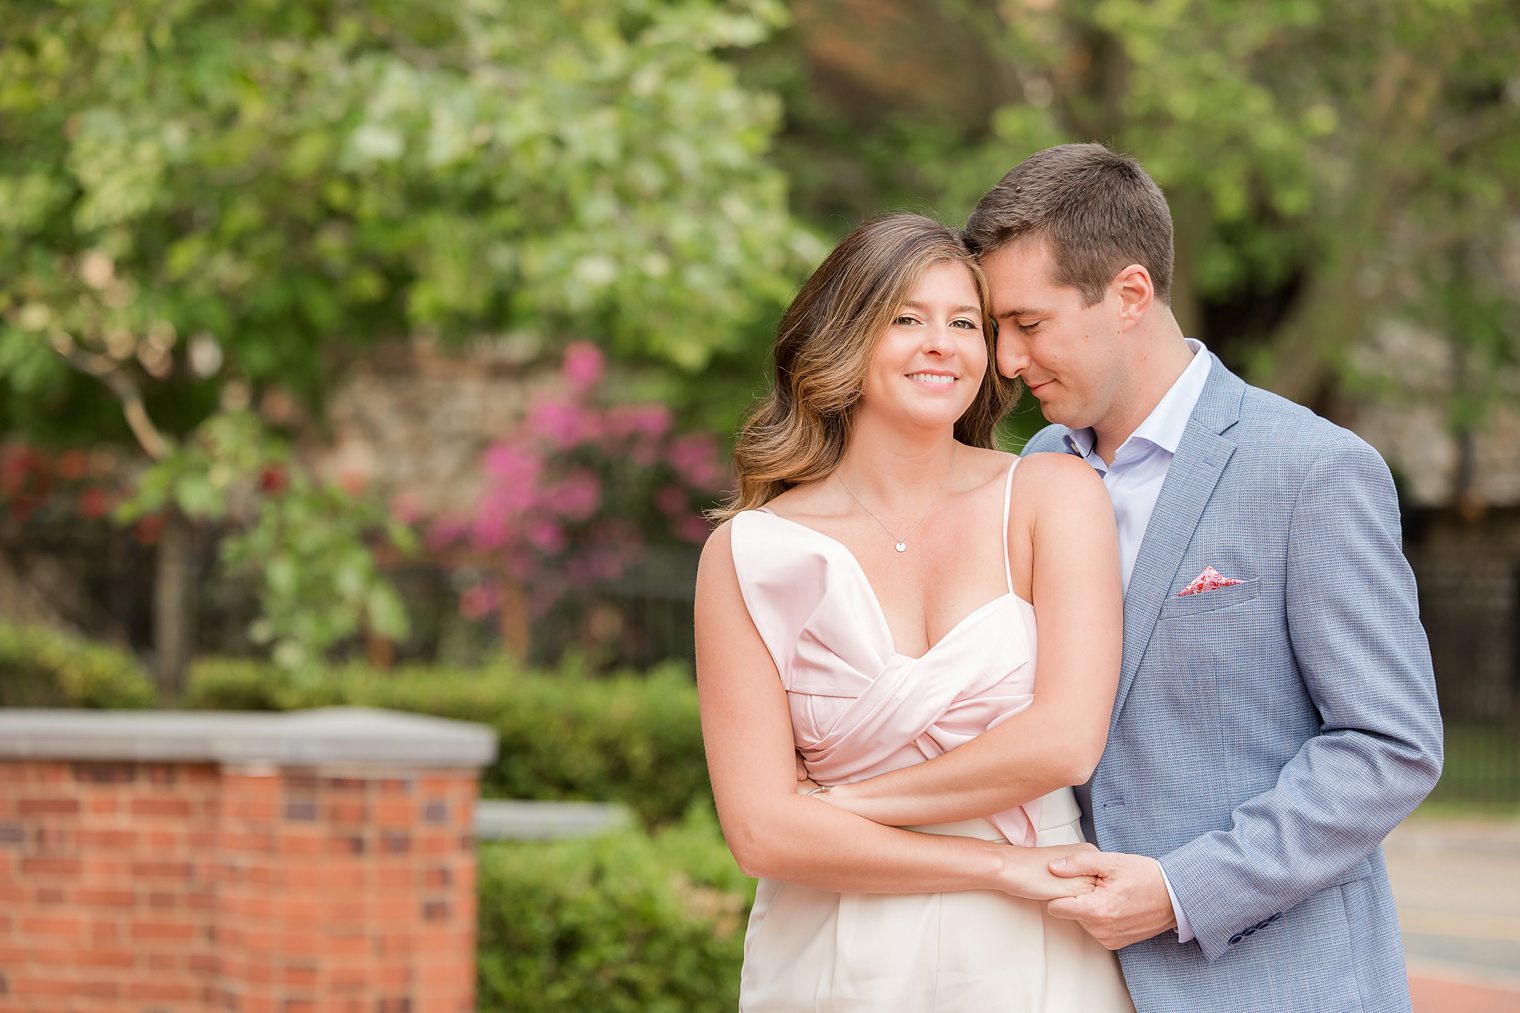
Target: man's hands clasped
[[1128, 904]]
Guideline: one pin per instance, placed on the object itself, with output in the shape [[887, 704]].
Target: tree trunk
[[1189, 223], [516, 623], [174, 605]]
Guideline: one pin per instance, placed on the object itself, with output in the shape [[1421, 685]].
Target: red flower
[[94, 504], [273, 480], [148, 529], [73, 464]]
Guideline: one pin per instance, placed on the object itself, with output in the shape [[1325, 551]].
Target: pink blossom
[[512, 476], [479, 601], [693, 528], [546, 536], [490, 529], [563, 423], [695, 459], [577, 496], [651, 421], [671, 499], [583, 366], [445, 532], [510, 462], [606, 566]]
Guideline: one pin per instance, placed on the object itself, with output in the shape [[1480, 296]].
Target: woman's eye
[[963, 322], [904, 321]]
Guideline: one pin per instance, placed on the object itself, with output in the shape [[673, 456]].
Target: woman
[[870, 602]]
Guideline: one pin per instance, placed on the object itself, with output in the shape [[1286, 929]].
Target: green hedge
[[625, 738], [43, 668], [635, 922], [566, 734]]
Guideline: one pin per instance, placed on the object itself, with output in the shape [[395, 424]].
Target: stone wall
[[413, 419], [1407, 420], [167, 863]]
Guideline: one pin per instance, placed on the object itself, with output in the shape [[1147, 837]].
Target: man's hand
[[1129, 904]]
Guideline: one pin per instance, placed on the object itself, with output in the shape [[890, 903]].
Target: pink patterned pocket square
[[1209, 580]]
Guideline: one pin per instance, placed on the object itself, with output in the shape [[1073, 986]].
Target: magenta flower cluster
[[577, 493]]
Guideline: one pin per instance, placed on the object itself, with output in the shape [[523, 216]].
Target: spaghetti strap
[[1007, 504]]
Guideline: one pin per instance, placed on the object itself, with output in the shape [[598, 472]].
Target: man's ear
[[1136, 293]]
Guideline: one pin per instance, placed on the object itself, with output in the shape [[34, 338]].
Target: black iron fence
[[100, 580]]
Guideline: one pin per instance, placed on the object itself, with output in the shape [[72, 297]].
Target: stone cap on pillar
[[358, 736]]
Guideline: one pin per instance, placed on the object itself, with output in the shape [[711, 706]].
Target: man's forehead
[[1018, 276]]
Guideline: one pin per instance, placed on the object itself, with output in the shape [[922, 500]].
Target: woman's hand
[[1027, 873]]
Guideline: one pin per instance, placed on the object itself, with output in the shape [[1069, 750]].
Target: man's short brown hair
[[1096, 210]]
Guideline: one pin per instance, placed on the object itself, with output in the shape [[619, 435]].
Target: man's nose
[[1012, 354]]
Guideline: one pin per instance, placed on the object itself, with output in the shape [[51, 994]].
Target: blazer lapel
[[1195, 469]]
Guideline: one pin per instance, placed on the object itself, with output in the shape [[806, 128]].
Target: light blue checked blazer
[[1267, 736]]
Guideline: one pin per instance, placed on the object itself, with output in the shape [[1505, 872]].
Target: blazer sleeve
[[1048, 440], [1354, 625]]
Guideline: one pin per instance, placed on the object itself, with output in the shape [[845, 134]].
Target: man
[[1276, 712]]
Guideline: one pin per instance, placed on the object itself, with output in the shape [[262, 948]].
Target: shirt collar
[[1164, 426]]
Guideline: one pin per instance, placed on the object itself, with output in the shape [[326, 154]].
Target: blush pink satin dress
[[860, 708]]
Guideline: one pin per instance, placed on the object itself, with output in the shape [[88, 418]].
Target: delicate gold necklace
[[902, 543]]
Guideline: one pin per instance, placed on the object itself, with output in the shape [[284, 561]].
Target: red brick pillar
[[281, 863]]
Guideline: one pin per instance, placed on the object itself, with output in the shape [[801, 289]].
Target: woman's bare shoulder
[[1057, 481], [717, 551], [984, 466]]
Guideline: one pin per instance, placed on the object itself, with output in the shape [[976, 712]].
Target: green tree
[[1328, 165], [202, 201]]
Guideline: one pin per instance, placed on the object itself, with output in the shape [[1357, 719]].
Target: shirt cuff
[[1184, 927]]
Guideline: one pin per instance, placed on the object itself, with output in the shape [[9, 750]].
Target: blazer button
[[1275, 917], [1263, 924], [1237, 937], [1250, 931]]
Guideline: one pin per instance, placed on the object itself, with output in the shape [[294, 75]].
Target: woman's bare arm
[[775, 832], [1055, 741]]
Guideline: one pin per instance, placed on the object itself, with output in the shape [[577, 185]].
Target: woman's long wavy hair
[[798, 431]]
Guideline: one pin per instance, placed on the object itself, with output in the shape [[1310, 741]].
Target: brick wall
[[167, 887]]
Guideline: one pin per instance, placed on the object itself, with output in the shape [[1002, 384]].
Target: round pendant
[[902, 546]]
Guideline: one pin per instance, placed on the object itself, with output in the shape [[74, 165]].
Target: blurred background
[[389, 352]]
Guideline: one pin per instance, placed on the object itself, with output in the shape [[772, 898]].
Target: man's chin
[[1056, 416]]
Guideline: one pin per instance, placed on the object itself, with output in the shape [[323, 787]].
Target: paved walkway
[[1457, 883]]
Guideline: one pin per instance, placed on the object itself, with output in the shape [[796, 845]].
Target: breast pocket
[[1210, 601]]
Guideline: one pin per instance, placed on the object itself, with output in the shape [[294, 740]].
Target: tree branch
[[108, 372]]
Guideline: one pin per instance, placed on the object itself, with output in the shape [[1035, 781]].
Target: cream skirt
[[965, 952]]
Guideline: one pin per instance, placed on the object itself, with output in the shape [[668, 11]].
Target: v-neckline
[[881, 612]]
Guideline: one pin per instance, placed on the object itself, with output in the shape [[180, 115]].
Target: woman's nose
[[937, 338]]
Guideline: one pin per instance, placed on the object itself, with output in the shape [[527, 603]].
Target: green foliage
[[305, 543], [624, 922], [193, 193], [43, 668], [627, 738], [1328, 165]]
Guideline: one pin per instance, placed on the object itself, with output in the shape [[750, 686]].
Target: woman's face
[[929, 363]]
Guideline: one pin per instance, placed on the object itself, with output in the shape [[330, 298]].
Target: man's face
[[1070, 356]]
